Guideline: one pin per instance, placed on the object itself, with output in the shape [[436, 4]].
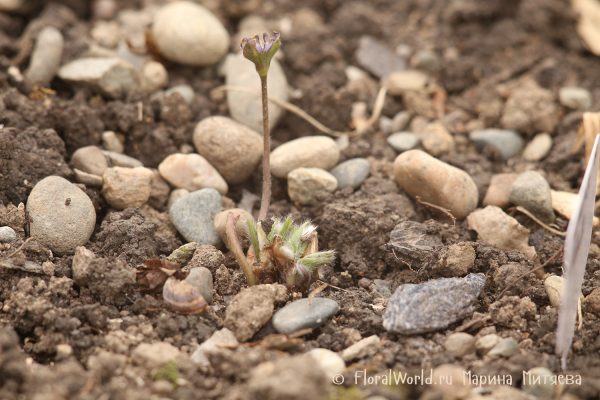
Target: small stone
[[299, 315], [402, 81], [460, 344], [366, 347], [485, 343], [81, 265], [191, 172], [127, 187], [49, 268], [532, 192], [63, 351], [252, 308], [176, 194], [7, 234], [45, 57], [62, 216], [88, 179], [303, 183], [436, 182], [437, 140], [403, 141], [106, 33], [89, 159], [202, 279], [189, 34], [159, 194], [330, 362], [432, 305], [554, 286], [381, 288], [112, 77], [385, 124], [505, 348], [155, 355], [576, 98], [121, 160], [508, 142], [309, 152], [538, 148], [184, 90], [60, 286], [564, 203], [232, 148], [450, 381], [530, 108], [193, 216], [425, 60], [342, 142], [375, 57], [111, 142], [154, 76], [400, 121], [351, 173], [241, 224], [183, 254], [592, 302], [498, 193], [218, 342], [461, 258], [104, 9], [538, 382], [246, 108]]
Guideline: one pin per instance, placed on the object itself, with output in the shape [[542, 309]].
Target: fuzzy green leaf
[[316, 260], [252, 235]]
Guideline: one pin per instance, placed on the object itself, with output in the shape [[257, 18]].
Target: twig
[[379, 101], [335, 287], [442, 209], [316, 292], [402, 261], [20, 248], [548, 261], [543, 225]]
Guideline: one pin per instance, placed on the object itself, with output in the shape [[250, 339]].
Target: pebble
[[155, 355], [554, 286], [310, 152], [154, 76], [121, 160], [436, 140], [432, 305], [45, 57], [401, 121], [176, 194], [592, 302], [436, 182], [127, 187], [112, 77], [247, 108], [564, 203], [201, 278], [381, 288], [184, 90], [508, 142], [184, 254], [460, 344], [402, 81], [232, 148], [376, 58], [538, 383], [159, 194], [351, 173], [538, 148], [189, 34], [89, 159], [575, 97], [193, 216], [342, 142], [191, 172], [366, 347], [403, 141], [81, 265], [460, 259], [505, 348], [88, 179], [104, 9], [218, 342], [62, 216], [106, 33], [111, 142], [241, 225], [299, 315], [485, 343], [450, 381], [529, 108], [303, 183], [7, 234], [532, 192], [330, 362], [426, 60], [385, 124], [498, 193]]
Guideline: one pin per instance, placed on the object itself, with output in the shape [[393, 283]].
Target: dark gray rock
[[299, 315], [193, 216]]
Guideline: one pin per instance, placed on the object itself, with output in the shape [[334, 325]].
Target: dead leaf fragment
[[564, 203], [151, 275]]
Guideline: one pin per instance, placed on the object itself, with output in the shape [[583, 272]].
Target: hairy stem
[[266, 194], [236, 248]]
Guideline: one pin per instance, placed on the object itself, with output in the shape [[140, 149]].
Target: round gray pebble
[[7, 234], [63, 215], [575, 97], [202, 279], [403, 141], [351, 173], [299, 315], [508, 142], [184, 90], [45, 57], [532, 192], [193, 216]]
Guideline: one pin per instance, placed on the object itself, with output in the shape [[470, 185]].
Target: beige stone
[[127, 187], [89, 159], [192, 172], [309, 152], [303, 183], [436, 140], [241, 225], [564, 203], [498, 193]]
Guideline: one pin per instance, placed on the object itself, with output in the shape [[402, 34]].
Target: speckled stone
[[432, 305], [299, 315], [201, 278], [508, 142], [403, 141], [532, 192], [351, 173], [7, 234], [193, 216]]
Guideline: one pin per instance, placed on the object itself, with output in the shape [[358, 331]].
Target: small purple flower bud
[[261, 54]]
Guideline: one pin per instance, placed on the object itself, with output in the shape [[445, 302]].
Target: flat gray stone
[[193, 216], [351, 173], [7, 234], [202, 279], [403, 141], [508, 142], [575, 97], [299, 315], [532, 192], [381, 288], [432, 305], [121, 160], [376, 58], [401, 120], [45, 57]]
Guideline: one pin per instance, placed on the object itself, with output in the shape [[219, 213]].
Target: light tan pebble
[[330, 362], [241, 225], [461, 258], [192, 172], [538, 148], [232, 148], [176, 194], [363, 348], [592, 302], [159, 195], [309, 152], [88, 179], [436, 140], [127, 187], [154, 355], [436, 182], [154, 76], [460, 344], [303, 183], [111, 142], [485, 343], [498, 193], [89, 159], [106, 33], [45, 57], [49, 268], [564, 203], [402, 81]]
